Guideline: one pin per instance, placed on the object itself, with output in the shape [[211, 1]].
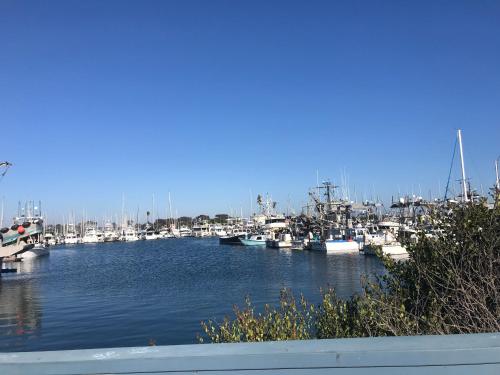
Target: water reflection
[[20, 311], [123, 294]]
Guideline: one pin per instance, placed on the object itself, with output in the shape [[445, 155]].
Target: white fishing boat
[[71, 238], [335, 246], [200, 230], [150, 234], [49, 239], [129, 234], [175, 232], [283, 240], [90, 235], [110, 234], [387, 243], [275, 223], [395, 250], [184, 231], [165, 233], [218, 231], [100, 235]]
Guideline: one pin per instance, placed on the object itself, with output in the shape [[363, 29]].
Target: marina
[[85, 283], [249, 187], [127, 293]]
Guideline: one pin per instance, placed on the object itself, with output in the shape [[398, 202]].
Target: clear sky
[[209, 99]]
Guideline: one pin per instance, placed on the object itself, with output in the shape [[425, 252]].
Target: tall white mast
[[251, 202], [170, 207], [464, 181], [153, 210], [124, 225], [496, 170]]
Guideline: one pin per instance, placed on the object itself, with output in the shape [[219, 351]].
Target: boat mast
[[1, 216], [464, 181], [251, 202], [124, 225], [170, 209], [496, 171]]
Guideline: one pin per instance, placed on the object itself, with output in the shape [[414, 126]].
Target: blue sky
[[209, 99]]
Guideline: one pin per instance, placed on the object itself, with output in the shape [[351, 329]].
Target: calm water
[[124, 294]]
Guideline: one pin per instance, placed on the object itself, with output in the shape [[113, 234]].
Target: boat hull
[[249, 242], [393, 250], [335, 246], [230, 240], [276, 244], [36, 251]]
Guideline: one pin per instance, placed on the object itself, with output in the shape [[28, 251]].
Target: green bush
[[290, 321], [449, 284]]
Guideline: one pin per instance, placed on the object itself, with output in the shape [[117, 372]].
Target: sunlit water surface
[[126, 294]]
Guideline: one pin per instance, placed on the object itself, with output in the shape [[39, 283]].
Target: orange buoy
[[20, 229]]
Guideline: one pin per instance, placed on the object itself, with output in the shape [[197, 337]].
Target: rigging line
[[451, 168], [7, 166]]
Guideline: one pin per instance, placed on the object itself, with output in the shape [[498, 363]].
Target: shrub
[[449, 284]]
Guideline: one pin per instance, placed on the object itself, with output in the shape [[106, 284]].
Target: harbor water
[[131, 294]]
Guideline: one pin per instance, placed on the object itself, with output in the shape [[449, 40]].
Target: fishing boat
[[22, 236], [184, 231], [275, 223], [100, 235], [232, 239], [110, 234], [90, 235], [129, 234], [218, 231], [165, 233], [36, 251], [175, 232], [254, 240], [299, 244], [335, 246], [387, 243], [150, 234], [71, 237], [283, 240], [200, 230], [49, 239]]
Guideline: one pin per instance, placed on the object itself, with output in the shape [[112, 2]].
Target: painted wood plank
[[420, 355]]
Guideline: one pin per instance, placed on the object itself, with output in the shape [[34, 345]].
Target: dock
[[448, 354]]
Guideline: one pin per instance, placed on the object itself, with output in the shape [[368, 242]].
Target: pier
[[450, 354]]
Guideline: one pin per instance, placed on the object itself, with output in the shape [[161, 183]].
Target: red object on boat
[[20, 229]]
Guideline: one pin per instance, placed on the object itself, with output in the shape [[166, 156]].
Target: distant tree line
[[158, 223]]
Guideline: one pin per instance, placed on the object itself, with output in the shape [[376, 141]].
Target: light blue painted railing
[[455, 354]]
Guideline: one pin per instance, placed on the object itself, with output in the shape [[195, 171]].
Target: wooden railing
[[454, 354]]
